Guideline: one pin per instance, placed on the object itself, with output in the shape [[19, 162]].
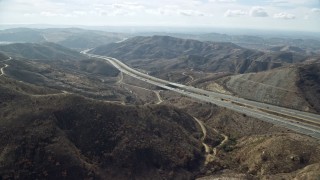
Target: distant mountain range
[[253, 42], [42, 51], [64, 115], [21, 35], [161, 47], [288, 49], [77, 38], [170, 53], [69, 37]]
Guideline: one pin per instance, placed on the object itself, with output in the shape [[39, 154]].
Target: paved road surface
[[303, 122]]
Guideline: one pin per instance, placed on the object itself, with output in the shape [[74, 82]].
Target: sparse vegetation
[[43, 51], [71, 117], [230, 145]]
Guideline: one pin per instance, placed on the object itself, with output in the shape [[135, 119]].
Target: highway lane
[[267, 107], [288, 112], [229, 102]]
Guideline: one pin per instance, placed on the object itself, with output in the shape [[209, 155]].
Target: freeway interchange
[[299, 121]]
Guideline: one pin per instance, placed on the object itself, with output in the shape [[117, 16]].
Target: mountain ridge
[[74, 38], [165, 52], [42, 51]]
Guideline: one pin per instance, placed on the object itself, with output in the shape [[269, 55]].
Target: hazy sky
[[271, 14]]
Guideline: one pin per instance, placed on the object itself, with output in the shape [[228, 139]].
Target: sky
[[293, 15]]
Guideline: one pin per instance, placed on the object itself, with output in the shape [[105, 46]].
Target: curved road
[[299, 121], [157, 93], [159, 97], [211, 153], [5, 66], [207, 148], [191, 78]]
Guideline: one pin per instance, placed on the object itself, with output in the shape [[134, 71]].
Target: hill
[[260, 42], [161, 47], [43, 51], [283, 156], [255, 149], [21, 35], [88, 40], [3, 56], [309, 84], [92, 66], [288, 48], [60, 120], [297, 86], [75, 138], [92, 78], [162, 53]]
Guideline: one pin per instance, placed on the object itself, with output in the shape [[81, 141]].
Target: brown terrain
[[294, 87], [73, 137], [83, 119], [162, 53]]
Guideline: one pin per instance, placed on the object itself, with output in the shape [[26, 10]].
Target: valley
[[159, 107], [240, 105]]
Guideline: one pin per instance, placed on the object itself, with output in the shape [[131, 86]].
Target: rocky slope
[[276, 154], [75, 138], [254, 149], [294, 87], [309, 84]]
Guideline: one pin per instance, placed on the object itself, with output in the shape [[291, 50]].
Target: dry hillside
[[288, 87]]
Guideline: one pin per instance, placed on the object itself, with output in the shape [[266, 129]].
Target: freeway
[[302, 122]]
